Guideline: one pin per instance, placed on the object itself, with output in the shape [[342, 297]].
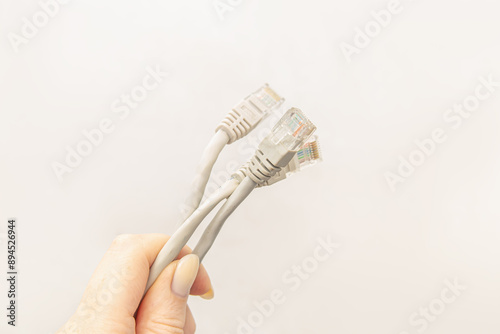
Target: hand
[[116, 288]]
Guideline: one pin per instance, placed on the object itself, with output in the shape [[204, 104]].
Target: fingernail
[[185, 274], [209, 295]]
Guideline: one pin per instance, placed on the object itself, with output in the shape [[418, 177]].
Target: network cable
[[174, 245], [273, 154], [285, 150], [242, 119]]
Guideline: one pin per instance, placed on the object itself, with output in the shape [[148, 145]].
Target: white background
[[397, 248]]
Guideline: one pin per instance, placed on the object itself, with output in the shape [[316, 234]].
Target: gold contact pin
[[272, 93], [315, 152]]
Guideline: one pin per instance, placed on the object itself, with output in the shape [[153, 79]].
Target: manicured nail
[[209, 295], [185, 274]]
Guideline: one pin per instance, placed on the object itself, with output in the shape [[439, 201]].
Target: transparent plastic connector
[[267, 97], [249, 112], [292, 130], [281, 146], [308, 155]]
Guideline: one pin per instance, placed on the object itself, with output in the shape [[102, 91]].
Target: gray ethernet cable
[[274, 153], [308, 155], [242, 119], [174, 245]]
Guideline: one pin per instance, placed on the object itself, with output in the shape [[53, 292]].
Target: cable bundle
[[284, 151]]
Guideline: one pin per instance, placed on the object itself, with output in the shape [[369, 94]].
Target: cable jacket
[[213, 229], [207, 161], [174, 245]]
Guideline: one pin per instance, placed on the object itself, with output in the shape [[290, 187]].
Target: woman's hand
[[115, 290]]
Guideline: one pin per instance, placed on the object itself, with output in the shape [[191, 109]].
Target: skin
[[114, 293]]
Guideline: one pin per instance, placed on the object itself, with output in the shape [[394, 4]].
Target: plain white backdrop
[[397, 248]]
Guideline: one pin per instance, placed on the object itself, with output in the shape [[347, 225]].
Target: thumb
[[164, 308]]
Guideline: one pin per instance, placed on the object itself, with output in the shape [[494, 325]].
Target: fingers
[[117, 286], [164, 308], [202, 285], [190, 327], [121, 275]]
